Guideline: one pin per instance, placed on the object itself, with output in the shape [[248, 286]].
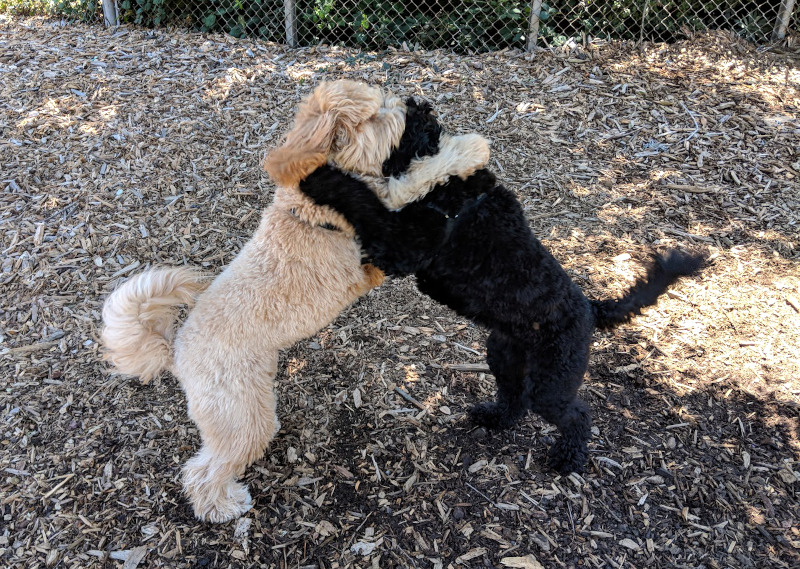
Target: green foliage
[[26, 7], [459, 25], [753, 26], [661, 20], [239, 18], [464, 25], [149, 13], [77, 9]]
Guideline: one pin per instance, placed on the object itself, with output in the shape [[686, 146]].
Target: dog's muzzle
[[453, 219]]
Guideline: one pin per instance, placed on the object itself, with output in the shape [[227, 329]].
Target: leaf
[[209, 21], [325, 528], [135, 557], [471, 554], [410, 482]]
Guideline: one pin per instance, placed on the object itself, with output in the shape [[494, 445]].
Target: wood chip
[[527, 562], [471, 554]]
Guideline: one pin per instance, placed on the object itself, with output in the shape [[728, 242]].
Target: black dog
[[469, 245]]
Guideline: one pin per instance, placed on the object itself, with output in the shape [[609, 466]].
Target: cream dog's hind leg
[[237, 420]]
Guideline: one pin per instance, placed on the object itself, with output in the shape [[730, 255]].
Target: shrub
[[459, 25]]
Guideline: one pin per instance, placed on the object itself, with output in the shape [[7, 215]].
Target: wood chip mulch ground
[[128, 148]]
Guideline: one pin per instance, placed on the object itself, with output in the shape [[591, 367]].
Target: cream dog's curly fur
[[301, 267]]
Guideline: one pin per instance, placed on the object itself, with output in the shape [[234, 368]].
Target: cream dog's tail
[[140, 319]]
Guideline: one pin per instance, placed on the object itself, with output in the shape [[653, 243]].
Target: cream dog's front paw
[[473, 152]]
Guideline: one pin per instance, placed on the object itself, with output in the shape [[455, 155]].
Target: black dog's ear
[[483, 179], [418, 107]]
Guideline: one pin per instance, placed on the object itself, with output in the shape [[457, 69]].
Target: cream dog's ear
[[287, 166], [330, 114], [306, 146]]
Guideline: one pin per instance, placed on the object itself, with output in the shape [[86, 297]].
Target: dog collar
[[326, 225]]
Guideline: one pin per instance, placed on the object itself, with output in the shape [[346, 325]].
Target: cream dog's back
[[268, 297]]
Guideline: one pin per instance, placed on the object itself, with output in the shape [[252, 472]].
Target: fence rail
[[458, 25]]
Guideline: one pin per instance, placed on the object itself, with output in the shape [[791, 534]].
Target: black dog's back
[[490, 267], [470, 246]]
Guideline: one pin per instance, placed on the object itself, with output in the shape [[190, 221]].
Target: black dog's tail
[[662, 273]]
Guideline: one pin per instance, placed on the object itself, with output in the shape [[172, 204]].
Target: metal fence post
[[782, 23], [290, 12], [644, 17], [110, 13], [533, 25]]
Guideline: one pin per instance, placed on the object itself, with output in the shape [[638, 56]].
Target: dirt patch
[[126, 149]]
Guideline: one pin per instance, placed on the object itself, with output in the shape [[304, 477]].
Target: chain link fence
[[456, 25]]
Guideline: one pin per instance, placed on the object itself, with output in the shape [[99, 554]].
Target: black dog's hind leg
[[574, 421], [506, 360]]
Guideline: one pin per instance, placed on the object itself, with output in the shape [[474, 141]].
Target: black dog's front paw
[[565, 458], [323, 184], [492, 415]]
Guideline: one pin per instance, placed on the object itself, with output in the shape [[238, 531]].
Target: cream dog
[[301, 267]]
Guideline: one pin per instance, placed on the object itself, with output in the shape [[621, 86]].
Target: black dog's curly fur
[[469, 245], [420, 138]]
